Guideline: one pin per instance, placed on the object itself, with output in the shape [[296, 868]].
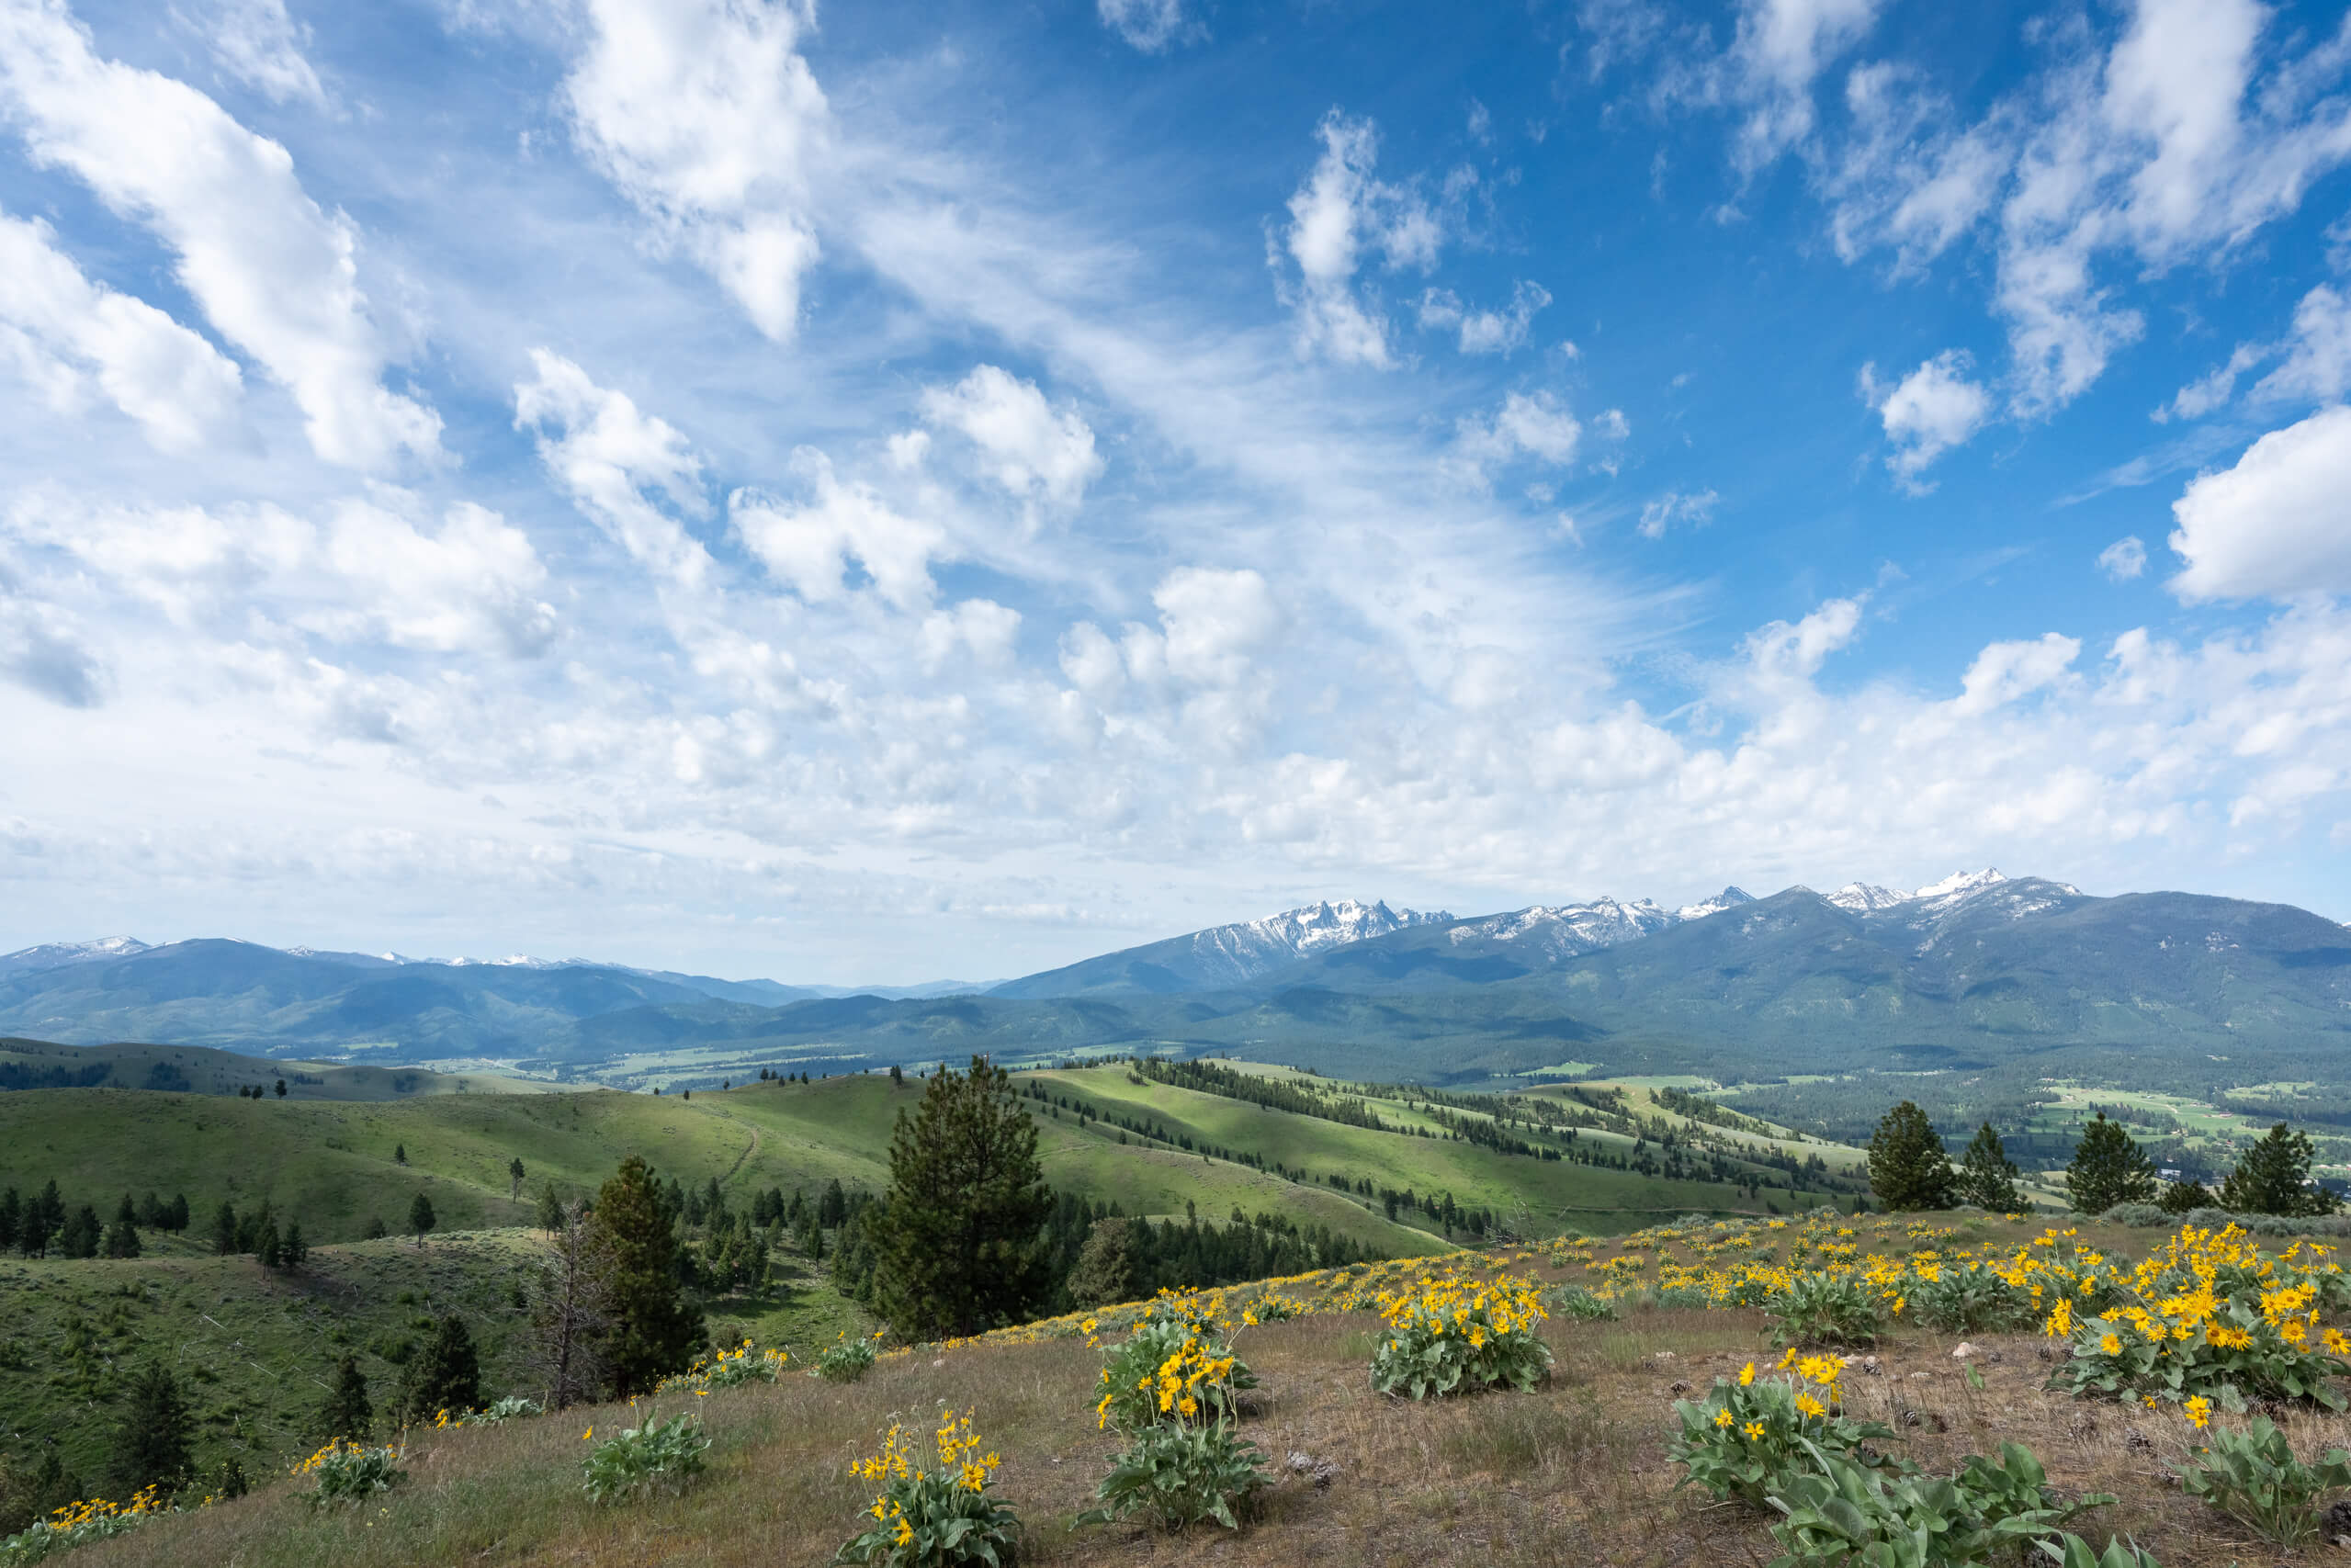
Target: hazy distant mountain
[[58, 954], [1222, 957], [1973, 968]]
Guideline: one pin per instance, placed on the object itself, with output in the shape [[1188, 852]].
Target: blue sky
[[892, 491]]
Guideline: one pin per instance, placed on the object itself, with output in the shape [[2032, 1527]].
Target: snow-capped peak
[[57, 954], [1959, 883], [1865, 897], [1728, 898]]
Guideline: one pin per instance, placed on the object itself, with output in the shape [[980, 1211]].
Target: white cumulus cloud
[[810, 545], [182, 391], [1036, 453], [1339, 214], [1150, 24], [2004, 672], [707, 117], [275, 275], [2124, 559], [1927, 413], [2276, 525]]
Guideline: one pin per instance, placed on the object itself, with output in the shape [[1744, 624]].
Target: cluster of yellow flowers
[[1465, 1305], [1176, 1384], [744, 1363], [75, 1514], [339, 1446], [959, 1460]]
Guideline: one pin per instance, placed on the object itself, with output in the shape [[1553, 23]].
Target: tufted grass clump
[[639, 1459]]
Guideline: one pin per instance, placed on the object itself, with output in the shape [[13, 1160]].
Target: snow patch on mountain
[[1728, 898], [1864, 897], [58, 954], [1562, 931], [1242, 951]]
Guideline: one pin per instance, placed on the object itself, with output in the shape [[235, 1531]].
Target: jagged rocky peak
[[1960, 884], [1728, 898], [1865, 897], [1324, 924]]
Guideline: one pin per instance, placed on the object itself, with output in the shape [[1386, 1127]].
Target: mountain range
[[1973, 968]]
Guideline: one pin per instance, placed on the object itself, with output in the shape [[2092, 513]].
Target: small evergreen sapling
[[2109, 1168]]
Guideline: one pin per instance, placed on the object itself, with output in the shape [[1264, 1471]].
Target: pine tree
[[967, 1205], [1908, 1168], [281, 1088], [421, 1217], [515, 1177], [444, 1375], [345, 1412], [550, 1210], [122, 1240], [2182, 1197], [176, 1221], [654, 1330], [150, 1447], [2272, 1176], [126, 1213], [1987, 1177], [12, 1214], [399, 1154], [82, 1233], [266, 1247], [48, 1220], [375, 1230], [293, 1250], [224, 1230], [1105, 1271], [2109, 1168], [832, 1208]]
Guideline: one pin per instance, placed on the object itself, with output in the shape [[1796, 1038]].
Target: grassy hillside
[[329, 1164], [200, 1069], [1572, 1474]]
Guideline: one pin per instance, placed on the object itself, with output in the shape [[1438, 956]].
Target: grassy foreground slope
[[1572, 1473]]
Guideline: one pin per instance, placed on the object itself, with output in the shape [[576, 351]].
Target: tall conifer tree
[[654, 1330], [2109, 1168], [1987, 1177], [2272, 1176], [1908, 1168], [963, 1248]]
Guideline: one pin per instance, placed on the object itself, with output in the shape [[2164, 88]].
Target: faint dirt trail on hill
[[750, 1149]]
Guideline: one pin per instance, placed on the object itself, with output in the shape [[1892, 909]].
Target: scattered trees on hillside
[[961, 1249], [2272, 1176], [1908, 1168], [2109, 1168], [1987, 1177]]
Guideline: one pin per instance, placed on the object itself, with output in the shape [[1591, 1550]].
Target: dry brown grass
[[1575, 1474]]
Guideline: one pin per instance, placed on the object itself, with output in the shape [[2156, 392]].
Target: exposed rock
[[1963, 1352]]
